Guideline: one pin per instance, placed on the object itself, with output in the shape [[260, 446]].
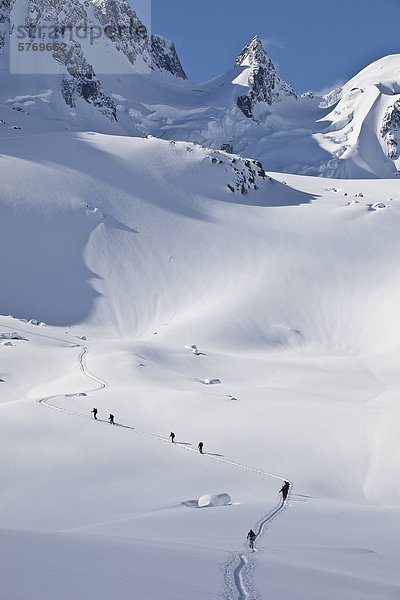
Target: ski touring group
[[172, 436], [251, 536], [110, 418]]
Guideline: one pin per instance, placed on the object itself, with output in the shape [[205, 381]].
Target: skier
[[285, 490], [251, 536], [200, 447], [95, 411], [172, 436], [111, 419]]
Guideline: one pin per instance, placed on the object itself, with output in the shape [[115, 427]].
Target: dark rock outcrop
[[88, 88], [5, 6], [164, 56], [264, 83], [390, 130]]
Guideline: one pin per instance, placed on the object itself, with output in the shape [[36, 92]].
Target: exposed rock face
[[123, 27], [165, 57], [111, 20], [245, 174], [5, 6], [75, 26], [390, 130], [264, 82], [82, 82], [90, 90]]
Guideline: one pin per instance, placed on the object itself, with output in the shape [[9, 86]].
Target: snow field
[[117, 484], [290, 295]]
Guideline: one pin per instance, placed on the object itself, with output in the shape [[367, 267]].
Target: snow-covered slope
[[288, 289], [363, 131], [119, 195], [132, 251]]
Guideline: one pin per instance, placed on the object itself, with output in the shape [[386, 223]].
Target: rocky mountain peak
[[262, 78], [252, 54]]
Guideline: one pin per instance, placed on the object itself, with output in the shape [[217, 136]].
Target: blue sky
[[314, 43]]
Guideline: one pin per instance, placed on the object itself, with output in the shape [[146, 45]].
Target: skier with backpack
[[95, 411], [251, 536], [200, 447], [111, 419], [172, 436], [285, 490]]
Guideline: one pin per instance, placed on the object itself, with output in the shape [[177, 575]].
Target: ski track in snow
[[238, 569]]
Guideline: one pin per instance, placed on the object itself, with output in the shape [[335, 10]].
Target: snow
[[291, 297], [214, 500]]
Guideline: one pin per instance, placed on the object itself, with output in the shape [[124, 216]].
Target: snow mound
[[214, 500], [210, 381]]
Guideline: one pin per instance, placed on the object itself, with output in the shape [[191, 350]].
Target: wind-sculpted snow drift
[[214, 500]]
